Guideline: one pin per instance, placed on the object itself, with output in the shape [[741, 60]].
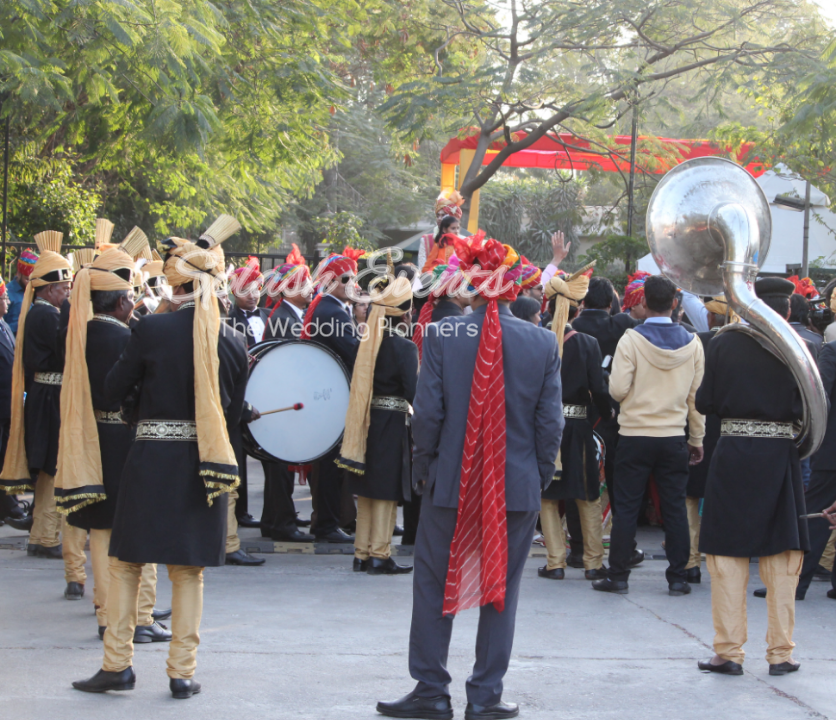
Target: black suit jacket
[[238, 320], [7, 359], [284, 325], [825, 458], [605, 328], [332, 326], [446, 308], [813, 339]]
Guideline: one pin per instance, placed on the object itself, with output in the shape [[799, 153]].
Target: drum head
[[293, 372]]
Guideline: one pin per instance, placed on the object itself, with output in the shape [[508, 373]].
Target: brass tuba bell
[[709, 228]]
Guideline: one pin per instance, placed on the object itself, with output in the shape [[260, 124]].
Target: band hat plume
[[78, 481], [388, 299], [104, 231], [82, 257], [189, 262], [51, 267], [568, 290], [136, 244]]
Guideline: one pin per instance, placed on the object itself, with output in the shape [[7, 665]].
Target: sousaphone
[[709, 228]]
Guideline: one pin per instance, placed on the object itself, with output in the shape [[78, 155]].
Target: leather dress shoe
[[292, 535], [619, 587], [727, 668], [398, 531], [161, 614], [784, 668], [183, 689], [693, 575], [679, 588], [74, 591], [412, 706], [595, 573], [831, 594], [102, 629], [302, 523], [555, 574], [335, 536], [491, 712], [248, 521], [636, 558], [575, 561], [151, 633], [20, 523], [48, 553], [380, 566], [32, 549], [240, 557], [359, 565], [821, 573], [761, 593], [103, 681]]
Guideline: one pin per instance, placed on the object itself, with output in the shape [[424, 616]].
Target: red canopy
[[566, 152]]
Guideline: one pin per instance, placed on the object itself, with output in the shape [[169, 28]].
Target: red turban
[[634, 291], [243, 277], [329, 269], [531, 274]]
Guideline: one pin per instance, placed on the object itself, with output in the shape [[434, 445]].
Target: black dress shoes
[[359, 565], [102, 629], [183, 689], [103, 681], [761, 593], [636, 558], [575, 560], [379, 566], [784, 668], [398, 531], [49, 553], [151, 633], [292, 535], [727, 668], [555, 574], [161, 614], [491, 712], [412, 706], [335, 536], [619, 587], [693, 575], [302, 523], [831, 594], [679, 588], [20, 523], [74, 591], [248, 521], [239, 557], [596, 573]]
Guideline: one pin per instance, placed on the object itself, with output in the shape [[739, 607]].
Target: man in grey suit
[[533, 428]]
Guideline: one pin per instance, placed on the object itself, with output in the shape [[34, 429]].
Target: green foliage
[[341, 229], [616, 257]]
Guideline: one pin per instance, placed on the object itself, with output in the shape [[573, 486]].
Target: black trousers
[[411, 516], [278, 515], [328, 495], [8, 503], [821, 494], [241, 503], [666, 459], [573, 523]]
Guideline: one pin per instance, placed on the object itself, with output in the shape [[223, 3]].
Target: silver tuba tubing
[[708, 226]]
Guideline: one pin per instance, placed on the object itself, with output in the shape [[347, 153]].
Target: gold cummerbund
[[577, 412], [49, 378], [734, 427], [386, 402], [108, 417], [166, 430]]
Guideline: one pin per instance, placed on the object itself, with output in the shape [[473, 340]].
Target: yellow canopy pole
[[448, 176], [465, 158]]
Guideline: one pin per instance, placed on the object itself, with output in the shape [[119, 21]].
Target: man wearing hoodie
[[657, 369]]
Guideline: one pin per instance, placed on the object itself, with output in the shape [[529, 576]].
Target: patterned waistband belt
[[108, 417], [166, 430], [385, 402], [756, 428], [575, 411], [49, 378]]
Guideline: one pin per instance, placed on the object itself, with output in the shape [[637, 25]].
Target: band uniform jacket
[[43, 352], [332, 327], [582, 379], [285, 324], [813, 339], [825, 459], [533, 410], [238, 320], [753, 494], [388, 474], [605, 328], [7, 359], [162, 515], [698, 474], [105, 343]]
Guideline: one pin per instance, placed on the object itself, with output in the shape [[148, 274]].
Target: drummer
[[377, 445]]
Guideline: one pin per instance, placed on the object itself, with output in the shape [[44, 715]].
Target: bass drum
[[286, 372]]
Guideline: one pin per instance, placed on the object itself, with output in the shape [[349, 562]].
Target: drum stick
[[297, 406], [811, 516]]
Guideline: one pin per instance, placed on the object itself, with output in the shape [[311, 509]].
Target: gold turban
[[51, 267], [394, 300], [719, 306], [78, 481], [202, 264], [570, 290]]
